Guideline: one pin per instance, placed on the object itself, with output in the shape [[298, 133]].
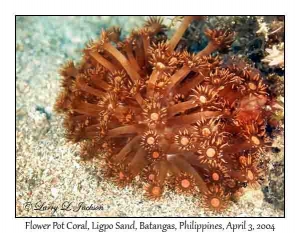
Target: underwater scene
[[150, 116]]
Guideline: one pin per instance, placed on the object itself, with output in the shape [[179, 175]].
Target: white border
[[148, 7]]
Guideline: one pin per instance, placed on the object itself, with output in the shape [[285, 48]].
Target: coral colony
[[189, 122]]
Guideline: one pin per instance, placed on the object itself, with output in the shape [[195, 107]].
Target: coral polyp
[[191, 122]]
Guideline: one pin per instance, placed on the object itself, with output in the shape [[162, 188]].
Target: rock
[[40, 123], [54, 192], [252, 197], [274, 189], [48, 110]]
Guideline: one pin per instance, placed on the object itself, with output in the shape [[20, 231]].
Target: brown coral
[[162, 114]]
